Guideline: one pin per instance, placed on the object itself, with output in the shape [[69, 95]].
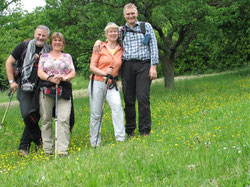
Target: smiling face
[[41, 37], [112, 35], [57, 41], [57, 44], [131, 14]]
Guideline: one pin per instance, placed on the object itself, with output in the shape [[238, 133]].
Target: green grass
[[4, 96], [200, 137], [79, 82]]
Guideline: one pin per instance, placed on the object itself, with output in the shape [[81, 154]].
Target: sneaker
[[39, 146], [95, 146], [145, 134], [47, 154], [23, 153], [132, 134]]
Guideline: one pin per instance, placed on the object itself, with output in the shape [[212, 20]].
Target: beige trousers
[[47, 104]]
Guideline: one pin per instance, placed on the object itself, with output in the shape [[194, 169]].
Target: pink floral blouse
[[62, 66]]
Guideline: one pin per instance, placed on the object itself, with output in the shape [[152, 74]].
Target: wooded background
[[194, 36]]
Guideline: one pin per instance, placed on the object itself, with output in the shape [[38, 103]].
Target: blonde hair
[[111, 26], [130, 5], [57, 35]]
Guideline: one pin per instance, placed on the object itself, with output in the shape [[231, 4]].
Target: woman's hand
[[56, 79], [109, 71]]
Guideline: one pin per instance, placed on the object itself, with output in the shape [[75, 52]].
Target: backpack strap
[[19, 63], [124, 31], [143, 28], [123, 34]]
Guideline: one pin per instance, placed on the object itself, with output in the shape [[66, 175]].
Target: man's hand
[[153, 72], [97, 46], [13, 87]]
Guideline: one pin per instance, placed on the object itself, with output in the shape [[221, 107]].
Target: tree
[[177, 22], [82, 22], [6, 32], [5, 3], [224, 47], [192, 35]]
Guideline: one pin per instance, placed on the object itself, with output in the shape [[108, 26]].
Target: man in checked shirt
[[140, 57]]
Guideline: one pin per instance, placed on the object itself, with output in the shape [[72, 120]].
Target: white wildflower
[[191, 167]]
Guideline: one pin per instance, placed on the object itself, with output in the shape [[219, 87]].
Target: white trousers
[[47, 104], [96, 105]]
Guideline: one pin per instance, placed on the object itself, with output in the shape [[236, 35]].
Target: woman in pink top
[[57, 68], [106, 63]]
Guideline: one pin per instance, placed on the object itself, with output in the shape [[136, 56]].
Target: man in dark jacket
[[28, 56]]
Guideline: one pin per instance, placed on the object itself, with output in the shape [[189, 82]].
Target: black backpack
[[32, 81], [19, 63], [124, 31]]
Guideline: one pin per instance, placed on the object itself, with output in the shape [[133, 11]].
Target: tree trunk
[[168, 66]]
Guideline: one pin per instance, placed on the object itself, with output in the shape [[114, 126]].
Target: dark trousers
[[136, 85], [32, 132]]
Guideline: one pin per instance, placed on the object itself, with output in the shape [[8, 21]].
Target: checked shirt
[[133, 47]]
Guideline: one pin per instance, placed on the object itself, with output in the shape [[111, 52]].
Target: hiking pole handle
[[107, 78], [9, 94]]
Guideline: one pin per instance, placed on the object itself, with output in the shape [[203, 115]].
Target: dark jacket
[[34, 115]]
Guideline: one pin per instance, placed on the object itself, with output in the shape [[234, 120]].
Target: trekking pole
[[10, 95], [56, 112], [106, 90]]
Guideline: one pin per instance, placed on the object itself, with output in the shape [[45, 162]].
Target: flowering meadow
[[199, 137]]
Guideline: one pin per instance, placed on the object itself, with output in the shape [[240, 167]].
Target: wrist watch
[[11, 81]]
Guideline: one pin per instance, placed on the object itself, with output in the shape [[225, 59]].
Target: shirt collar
[[136, 24], [106, 42]]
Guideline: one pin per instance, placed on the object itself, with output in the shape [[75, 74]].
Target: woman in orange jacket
[[106, 63]]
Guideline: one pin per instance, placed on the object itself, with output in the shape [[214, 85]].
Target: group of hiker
[[41, 74]]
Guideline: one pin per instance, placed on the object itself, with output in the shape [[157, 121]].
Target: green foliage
[[224, 48], [199, 134], [218, 35], [83, 64], [4, 6]]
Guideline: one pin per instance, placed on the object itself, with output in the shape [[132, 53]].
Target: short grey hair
[[43, 27], [111, 25], [129, 5]]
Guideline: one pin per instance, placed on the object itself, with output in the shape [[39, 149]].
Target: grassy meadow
[[199, 137]]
